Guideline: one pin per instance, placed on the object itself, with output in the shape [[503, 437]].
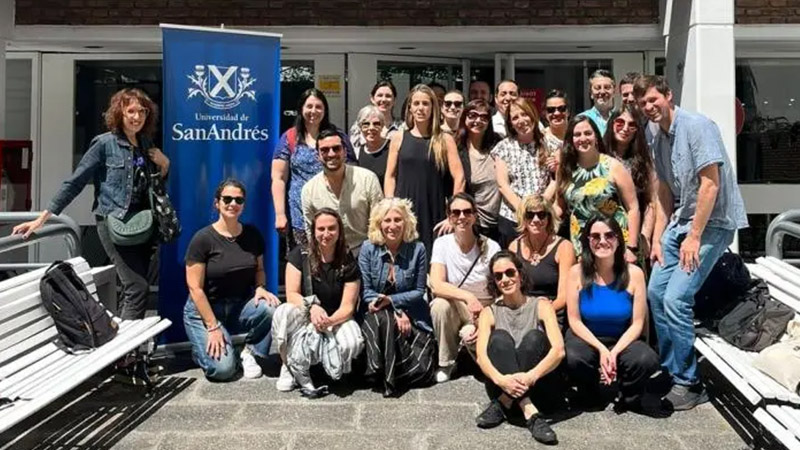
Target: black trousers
[[507, 358], [507, 231], [635, 365], [403, 361], [132, 264]]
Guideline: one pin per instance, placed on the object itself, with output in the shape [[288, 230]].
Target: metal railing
[[785, 223], [61, 225]]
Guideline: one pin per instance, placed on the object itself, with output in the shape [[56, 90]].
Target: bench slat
[[95, 362], [10, 298], [729, 373], [786, 416], [779, 431], [26, 360], [78, 263], [23, 347], [15, 325], [783, 269], [774, 281], [15, 341]]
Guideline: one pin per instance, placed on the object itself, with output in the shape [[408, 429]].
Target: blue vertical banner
[[221, 117]]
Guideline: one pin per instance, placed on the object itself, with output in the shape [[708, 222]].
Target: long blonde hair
[[436, 145]]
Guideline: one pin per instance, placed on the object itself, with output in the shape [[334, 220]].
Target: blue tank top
[[608, 312]]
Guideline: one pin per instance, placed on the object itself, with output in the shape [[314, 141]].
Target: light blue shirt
[[597, 118], [692, 144]]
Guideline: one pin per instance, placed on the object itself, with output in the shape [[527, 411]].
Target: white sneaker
[[443, 374], [249, 364], [285, 381]]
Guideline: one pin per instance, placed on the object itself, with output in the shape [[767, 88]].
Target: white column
[[701, 62], [329, 77], [6, 30], [362, 73]]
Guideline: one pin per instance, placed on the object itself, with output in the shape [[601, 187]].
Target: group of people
[[543, 247]]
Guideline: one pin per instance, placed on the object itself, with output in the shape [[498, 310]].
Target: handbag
[[164, 214], [133, 229]]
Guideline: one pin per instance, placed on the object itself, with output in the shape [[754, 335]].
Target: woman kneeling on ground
[[606, 307], [519, 343], [401, 350], [225, 275], [322, 286]]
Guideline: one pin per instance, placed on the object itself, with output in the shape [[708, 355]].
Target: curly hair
[[120, 100], [637, 151], [379, 211]]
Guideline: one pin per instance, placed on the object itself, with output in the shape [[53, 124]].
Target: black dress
[[420, 181]]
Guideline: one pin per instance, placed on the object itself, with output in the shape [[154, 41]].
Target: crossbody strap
[[469, 271], [308, 287]]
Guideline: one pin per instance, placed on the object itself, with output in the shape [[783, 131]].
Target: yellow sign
[[330, 85]]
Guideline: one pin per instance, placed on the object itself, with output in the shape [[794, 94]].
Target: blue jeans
[[236, 316], [671, 294]]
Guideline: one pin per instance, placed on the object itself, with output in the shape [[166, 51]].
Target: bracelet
[[214, 328]]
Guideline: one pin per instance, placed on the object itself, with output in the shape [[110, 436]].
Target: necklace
[[232, 238], [536, 255]]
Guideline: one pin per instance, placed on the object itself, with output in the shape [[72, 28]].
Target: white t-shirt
[[499, 124], [447, 252]]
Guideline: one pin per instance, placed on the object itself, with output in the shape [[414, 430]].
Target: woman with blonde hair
[[423, 162], [397, 328], [546, 257]]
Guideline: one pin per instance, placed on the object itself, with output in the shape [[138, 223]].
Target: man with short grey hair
[[601, 89]]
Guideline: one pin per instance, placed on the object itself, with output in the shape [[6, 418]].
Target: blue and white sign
[[221, 119]]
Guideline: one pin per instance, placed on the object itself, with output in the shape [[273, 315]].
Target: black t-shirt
[[230, 265], [139, 200], [376, 162], [329, 285]]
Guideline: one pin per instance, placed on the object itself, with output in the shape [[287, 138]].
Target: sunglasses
[[227, 199], [334, 149], [560, 108], [621, 124], [478, 116], [541, 215], [609, 236], [453, 103], [510, 273], [371, 124], [467, 212]]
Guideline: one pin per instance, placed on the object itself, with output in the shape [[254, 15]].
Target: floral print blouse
[[524, 172]]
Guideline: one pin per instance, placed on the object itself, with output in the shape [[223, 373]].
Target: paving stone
[[712, 441], [702, 419], [191, 418], [462, 390], [482, 440], [240, 440], [298, 417], [358, 440], [615, 441], [409, 416], [135, 441]]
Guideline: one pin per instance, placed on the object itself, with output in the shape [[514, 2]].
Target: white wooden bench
[[776, 408], [32, 367]]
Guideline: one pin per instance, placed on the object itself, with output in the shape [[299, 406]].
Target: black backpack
[[728, 280], [82, 323], [757, 322]]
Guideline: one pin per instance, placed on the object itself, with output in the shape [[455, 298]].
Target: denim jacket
[[410, 274], [109, 165]]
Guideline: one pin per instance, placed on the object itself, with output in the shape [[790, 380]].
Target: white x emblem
[[222, 81]]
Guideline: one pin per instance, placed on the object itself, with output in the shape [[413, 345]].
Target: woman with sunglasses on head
[[295, 162], [424, 166], [627, 143], [590, 183], [607, 306], [322, 290], [459, 270], [227, 294], [400, 346], [452, 106], [546, 257], [375, 149], [520, 165], [519, 346], [475, 140], [556, 107], [382, 96]]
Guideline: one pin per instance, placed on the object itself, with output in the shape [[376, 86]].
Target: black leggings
[[635, 365], [508, 358]]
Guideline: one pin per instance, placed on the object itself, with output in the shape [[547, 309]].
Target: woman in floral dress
[[592, 183]]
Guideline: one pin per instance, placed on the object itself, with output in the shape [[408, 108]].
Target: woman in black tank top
[[546, 257]]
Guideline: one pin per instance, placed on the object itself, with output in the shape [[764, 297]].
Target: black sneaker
[[492, 416], [541, 431], [647, 405], [684, 398]]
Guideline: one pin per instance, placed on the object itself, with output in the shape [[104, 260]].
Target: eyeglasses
[[559, 108], [334, 149], [467, 212], [510, 273], [609, 236], [541, 215], [367, 125], [474, 115], [227, 199], [136, 112], [621, 124], [453, 103]]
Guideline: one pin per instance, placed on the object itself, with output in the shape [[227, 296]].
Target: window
[[296, 77], [406, 75], [536, 77], [752, 240]]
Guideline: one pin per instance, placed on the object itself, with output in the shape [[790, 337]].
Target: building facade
[[64, 58]]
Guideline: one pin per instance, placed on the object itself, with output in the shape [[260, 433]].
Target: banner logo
[[222, 87]]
